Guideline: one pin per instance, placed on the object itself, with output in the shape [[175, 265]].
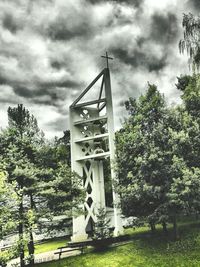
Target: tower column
[[79, 226], [78, 221], [116, 200]]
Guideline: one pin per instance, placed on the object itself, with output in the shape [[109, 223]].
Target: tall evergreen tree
[[42, 175], [18, 147]]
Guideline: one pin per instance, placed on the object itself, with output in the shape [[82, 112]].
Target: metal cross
[[107, 58]]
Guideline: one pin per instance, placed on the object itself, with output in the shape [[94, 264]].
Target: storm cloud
[[135, 3], [196, 4], [51, 50], [164, 28]]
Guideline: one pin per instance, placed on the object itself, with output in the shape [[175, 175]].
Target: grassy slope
[[145, 251]]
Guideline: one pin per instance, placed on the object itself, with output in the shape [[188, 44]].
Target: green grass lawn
[[144, 251], [51, 245]]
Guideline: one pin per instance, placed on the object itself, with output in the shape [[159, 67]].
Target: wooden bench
[[72, 246], [80, 244]]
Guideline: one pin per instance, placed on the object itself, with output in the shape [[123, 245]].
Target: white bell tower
[[92, 141]]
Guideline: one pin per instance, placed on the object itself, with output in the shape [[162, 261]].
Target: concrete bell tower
[[92, 141]]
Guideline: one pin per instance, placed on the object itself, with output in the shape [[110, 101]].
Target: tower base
[[119, 231], [79, 238]]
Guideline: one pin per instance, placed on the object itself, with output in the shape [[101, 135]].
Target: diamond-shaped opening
[[89, 201], [89, 189], [87, 145]]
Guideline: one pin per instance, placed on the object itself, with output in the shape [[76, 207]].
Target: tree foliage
[[41, 175], [158, 157], [191, 40]]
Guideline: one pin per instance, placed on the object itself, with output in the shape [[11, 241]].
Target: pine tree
[[18, 147], [102, 225]]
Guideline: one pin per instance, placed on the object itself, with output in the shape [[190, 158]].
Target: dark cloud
[[43, 88], [135, 3], [164, 28], [195, 4], [41, 92], [157, 64], [59, 31], [63, 29], [46, 102], [163, 31], [23, 91], [59, 83], [26, 92], [58, 124], [40, 96], [139, 59], [56, 65], [3, 80], [9, 23]]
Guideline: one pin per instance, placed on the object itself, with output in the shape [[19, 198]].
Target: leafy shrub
[[5, 256]]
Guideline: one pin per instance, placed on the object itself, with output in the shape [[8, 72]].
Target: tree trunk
[[31, 247], [21, 234], [153, 227], [175, 229], [164, 225]]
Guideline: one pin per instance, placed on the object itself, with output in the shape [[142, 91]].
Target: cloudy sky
[[50, 50]]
